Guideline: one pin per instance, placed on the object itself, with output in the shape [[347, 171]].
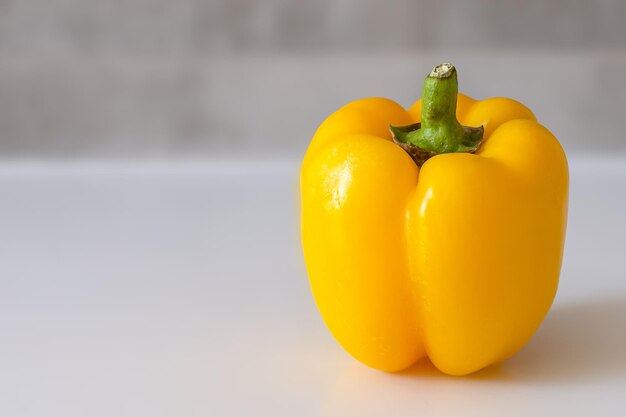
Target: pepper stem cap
[[439, 130]]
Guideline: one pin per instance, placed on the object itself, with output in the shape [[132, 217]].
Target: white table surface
[[178, 289]]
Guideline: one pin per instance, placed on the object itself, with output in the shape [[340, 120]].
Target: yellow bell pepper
[[457, 259]]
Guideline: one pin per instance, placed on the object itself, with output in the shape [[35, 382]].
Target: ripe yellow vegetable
[[458, 259]]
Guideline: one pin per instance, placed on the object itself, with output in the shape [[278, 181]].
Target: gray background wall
[[149, 78]]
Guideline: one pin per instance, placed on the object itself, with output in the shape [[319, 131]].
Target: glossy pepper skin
[[458, 260]]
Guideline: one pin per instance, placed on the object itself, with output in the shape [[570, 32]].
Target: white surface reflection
[[180, 290]]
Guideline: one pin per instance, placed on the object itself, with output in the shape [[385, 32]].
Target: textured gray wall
[[160, 77]]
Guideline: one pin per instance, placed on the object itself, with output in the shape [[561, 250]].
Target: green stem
[[439, 130]]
